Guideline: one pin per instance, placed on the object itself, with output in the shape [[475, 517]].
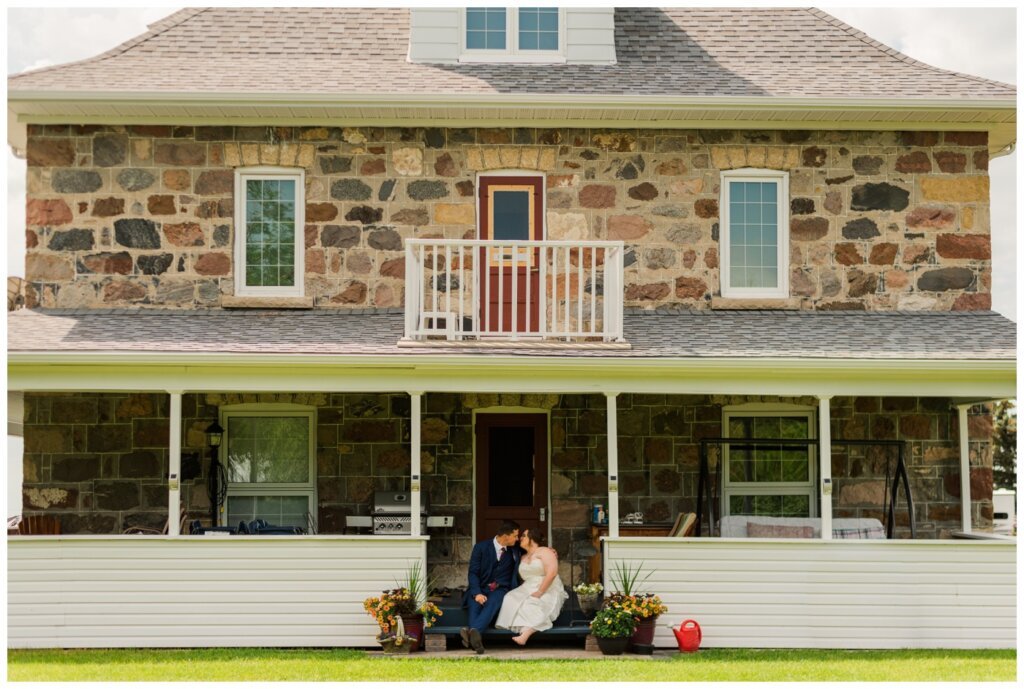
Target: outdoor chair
[[147, 531], [39, 525]]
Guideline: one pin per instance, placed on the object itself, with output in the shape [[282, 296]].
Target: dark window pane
[[510, 215], [510, 455]]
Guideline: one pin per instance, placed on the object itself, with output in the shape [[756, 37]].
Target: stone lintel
[[733, 304]]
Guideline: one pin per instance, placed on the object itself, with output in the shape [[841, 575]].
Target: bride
[[535, 605]]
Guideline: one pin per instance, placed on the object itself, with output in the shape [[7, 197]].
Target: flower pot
[[613, 647], [590, 603], [414, 627], [644, 633]]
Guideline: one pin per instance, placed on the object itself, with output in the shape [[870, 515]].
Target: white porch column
[[174, 468], [825, 464], [965, 468], [613, 465], [415, 408]]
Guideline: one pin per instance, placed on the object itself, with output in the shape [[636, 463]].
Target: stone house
[[559, 259]]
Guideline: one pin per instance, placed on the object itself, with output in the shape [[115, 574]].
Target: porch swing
[[895, 475]]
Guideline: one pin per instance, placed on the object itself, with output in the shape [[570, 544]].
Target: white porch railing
[[515, 290]]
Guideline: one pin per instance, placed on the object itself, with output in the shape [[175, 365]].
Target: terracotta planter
[[414, 625], [644, 633], [613, 647]]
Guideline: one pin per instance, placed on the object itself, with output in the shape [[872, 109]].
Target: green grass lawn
[[346, 665]]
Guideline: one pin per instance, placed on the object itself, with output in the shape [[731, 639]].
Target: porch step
[[570, 623]]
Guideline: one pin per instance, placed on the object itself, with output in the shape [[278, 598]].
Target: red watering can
[[688, 636]]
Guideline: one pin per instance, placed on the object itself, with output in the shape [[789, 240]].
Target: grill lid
[[397, 503]]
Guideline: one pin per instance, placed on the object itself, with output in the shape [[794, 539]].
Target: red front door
[[511, 209]]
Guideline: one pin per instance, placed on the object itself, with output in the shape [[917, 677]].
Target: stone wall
[[100, 460], [142, 215]]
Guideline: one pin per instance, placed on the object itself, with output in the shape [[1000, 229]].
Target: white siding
[[590, 35], [831, 594], [102, 592], [434, 35]]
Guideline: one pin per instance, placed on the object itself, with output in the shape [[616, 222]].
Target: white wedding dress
[[519, 609]]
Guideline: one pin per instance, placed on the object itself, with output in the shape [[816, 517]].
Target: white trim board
[[242, 373]]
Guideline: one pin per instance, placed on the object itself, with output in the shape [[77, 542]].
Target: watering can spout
[[688, 636]]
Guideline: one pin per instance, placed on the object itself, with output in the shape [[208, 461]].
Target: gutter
[[455, 361], [560, 101]]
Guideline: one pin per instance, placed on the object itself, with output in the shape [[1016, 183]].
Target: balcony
[[528, 292]]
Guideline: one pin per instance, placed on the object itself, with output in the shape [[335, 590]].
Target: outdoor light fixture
[[214, 434], [217, 484]]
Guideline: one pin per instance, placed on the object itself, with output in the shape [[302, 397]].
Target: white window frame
[[308, 489], [298, 175], [809, 487], [511, 53], [782, 259]]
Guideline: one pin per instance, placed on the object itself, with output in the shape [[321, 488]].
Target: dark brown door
[[511, 209], [511, 471]]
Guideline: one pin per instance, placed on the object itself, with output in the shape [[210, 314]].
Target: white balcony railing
[[514, 290]]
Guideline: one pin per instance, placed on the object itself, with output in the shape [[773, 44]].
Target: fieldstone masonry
[[142, 216], [99, 461]]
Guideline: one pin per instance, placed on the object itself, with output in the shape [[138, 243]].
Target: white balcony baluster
[[464, 311]]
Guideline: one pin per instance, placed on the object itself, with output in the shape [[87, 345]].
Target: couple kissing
[[495, 568]]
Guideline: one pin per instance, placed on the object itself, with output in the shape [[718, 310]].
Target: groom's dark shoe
[[475, 641], [464, 633]]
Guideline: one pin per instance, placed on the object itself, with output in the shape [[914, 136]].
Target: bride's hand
[[537, 594]]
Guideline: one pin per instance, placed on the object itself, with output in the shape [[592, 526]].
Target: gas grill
[[392, 513]]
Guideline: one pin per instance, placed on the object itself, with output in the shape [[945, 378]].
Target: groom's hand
[[480, 598]]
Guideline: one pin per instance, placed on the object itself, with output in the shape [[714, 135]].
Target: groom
[[493, 568]]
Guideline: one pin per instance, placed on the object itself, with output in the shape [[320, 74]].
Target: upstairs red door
[[511, 209]]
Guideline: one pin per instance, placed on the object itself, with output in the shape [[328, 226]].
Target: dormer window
[[525, 34]]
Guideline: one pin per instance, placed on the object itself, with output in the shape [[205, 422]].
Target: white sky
[[976, 41]]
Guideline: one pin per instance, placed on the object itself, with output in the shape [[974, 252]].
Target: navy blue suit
[[484, 568]]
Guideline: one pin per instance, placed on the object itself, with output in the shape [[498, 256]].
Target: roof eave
[[994, 115]]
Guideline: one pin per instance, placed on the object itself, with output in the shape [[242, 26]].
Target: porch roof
[[659, 334]]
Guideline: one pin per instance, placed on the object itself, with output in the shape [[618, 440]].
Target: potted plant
[[612, 627], [407, 605], [424, 613], [589, 597], [644, 607]]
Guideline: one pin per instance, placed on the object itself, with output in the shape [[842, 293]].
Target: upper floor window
[[526, 34], [269, 217], [755, 234]]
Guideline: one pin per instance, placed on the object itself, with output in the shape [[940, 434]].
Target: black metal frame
[[899, 474]]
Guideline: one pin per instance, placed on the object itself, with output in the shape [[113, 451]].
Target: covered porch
[[624, 432]]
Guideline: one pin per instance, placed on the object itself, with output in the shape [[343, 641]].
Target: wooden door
[[511, 471], [511, 209]]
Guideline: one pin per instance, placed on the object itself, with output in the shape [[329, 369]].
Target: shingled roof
[[698, 52], [675, 334]]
